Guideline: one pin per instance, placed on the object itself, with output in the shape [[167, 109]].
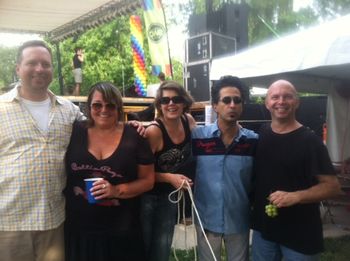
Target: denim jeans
[[265, 250], [158, 217]]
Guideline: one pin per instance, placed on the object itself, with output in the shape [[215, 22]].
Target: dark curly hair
[[228, 81]]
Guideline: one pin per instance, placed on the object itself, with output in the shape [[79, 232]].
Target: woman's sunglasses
[[97, 106], [175, 100], [228, 99]]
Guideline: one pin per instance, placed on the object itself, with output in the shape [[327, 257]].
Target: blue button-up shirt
[[223, 178]]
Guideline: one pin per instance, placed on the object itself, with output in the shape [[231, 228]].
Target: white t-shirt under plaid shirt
[[32, 175]]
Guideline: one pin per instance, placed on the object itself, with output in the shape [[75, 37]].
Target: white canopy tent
[[60, 19], [314, 60]]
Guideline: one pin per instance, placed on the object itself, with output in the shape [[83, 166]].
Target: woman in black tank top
[[170, 140]]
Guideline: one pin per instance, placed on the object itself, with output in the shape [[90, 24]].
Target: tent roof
[[60, 19], [314, 59]]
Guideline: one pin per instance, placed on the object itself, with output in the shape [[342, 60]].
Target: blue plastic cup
[[88, 186]]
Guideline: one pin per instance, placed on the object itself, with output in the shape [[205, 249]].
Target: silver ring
[[103, 186]]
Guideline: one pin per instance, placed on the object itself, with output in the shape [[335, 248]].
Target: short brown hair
[[32, 43], [110, 94]]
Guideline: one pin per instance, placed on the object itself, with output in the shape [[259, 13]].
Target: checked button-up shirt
[[32, 175]]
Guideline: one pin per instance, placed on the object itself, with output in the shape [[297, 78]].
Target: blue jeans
[[265, 250], [158, 217]]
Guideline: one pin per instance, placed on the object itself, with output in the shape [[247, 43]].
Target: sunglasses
[[97, 106], [228, 99], [175, 100]]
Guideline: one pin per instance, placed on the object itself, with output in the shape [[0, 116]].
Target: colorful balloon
[[138, 54]]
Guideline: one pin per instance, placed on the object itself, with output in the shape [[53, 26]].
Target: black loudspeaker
[[235, 23], [197, 24], [199, 48], [208, 45], [198, 83], [215, 22], [230, 20], [222, 44]]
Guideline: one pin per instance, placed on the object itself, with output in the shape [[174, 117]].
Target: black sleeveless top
[[110, 215], [173, 158]]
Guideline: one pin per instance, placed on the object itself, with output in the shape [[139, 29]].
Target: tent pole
[[59, 68]]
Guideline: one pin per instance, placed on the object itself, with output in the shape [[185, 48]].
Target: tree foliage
[[7, 65], [329, 9], [268, 19], [108, 56]]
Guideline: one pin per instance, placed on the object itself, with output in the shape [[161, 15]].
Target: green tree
[[7, 65], [274, 18], [177, 71], [108, 56], [331, 9]]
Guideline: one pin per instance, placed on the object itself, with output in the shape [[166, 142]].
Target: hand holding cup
[[89, 184]]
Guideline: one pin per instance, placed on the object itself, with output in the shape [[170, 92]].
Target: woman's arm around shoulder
[[155, 137]]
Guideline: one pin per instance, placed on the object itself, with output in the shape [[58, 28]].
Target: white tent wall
[[338, 126]]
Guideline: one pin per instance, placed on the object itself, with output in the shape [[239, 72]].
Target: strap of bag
[[180, 192]]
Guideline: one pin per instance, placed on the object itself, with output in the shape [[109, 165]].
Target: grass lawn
[[336, 249]]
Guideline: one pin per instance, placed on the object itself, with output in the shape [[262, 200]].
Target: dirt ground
[[336, 216]]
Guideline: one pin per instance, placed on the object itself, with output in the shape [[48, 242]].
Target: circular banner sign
[[156, 32]]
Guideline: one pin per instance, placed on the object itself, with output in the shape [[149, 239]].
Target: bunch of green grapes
[[271, 210]]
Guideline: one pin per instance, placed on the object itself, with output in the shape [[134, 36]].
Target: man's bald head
[[282, 101], [282, 84]]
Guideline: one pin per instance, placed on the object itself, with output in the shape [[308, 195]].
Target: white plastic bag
[[185, 237]]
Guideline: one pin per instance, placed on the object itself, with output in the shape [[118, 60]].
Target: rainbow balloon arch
[[138, 53]]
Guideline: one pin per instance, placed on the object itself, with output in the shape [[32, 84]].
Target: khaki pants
[[236, 246], [32, 245]]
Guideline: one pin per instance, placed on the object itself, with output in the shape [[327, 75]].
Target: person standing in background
[[152, 88], [161, 77], [78, 60]]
